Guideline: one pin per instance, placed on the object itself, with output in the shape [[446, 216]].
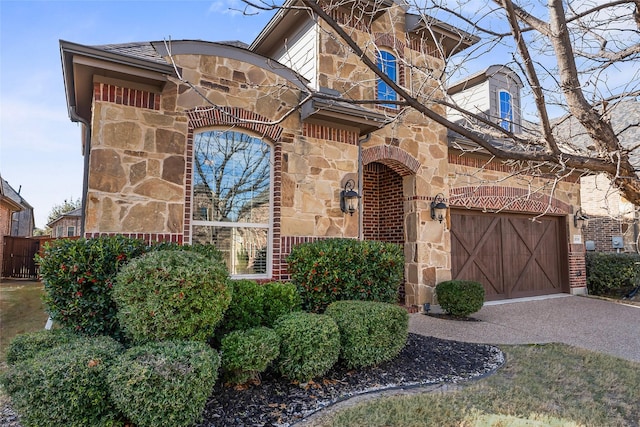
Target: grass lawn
[[21, 310], [540, 385]]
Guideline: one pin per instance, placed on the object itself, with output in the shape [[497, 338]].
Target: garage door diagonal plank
[[533, 254], [473, 254]]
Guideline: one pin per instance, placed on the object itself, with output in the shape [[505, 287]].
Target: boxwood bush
[[26, 346], [78, 279], [611, 273], [164, 383], [309, 345], [346, 269], [460, 297], [370, 332], [279, 299], [171, 295], [65, 386], [245, 309], [246, 354]]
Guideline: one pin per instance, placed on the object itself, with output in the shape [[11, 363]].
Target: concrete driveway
[[589, 323]]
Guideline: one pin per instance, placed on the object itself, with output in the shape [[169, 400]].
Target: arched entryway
[[387, 210]]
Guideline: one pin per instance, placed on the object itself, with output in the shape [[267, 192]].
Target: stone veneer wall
[[140, 179]]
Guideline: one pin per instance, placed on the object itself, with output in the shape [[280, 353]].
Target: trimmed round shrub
[[370, 332], [246, 354], [279, 299], [309, 345], [65, 386], [460, 297], [164, 383], [346, 269], [78, 279], [171, 295], [26, 346], [245, 309]]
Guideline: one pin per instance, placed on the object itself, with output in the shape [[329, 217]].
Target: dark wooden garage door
[[509, 254]]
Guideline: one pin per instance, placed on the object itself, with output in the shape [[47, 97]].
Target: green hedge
[[26, 346], [171, 295], [610, 273], [245, 309], [309, 345], [164, 383], [460, 297], [65, 386], [346, 269], [246, 354], [78, 278], [279, 299], [370, 332]]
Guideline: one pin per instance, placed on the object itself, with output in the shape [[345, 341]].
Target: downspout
[[366, 138], [87, 150]]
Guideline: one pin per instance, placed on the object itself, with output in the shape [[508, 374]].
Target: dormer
[[493, 93]]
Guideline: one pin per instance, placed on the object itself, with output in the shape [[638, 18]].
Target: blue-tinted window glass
[[506, 111], [387, 64]]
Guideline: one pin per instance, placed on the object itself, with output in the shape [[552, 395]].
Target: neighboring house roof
[[6, 199], [23, 220], [75, 213], [625, 120]]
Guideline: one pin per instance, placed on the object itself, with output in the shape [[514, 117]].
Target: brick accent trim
[[124, 96], [232, 116], [506, 198], [496, 165], [313, 130], [577, 267], [147, 237], [397, 159]]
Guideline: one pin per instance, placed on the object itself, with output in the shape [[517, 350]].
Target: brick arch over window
[[395, 158], [395, 46], [506, 198], [231, 116]]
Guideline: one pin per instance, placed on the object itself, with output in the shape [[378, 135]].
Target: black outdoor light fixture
[[348, 198], [438, 208], [579, 218]]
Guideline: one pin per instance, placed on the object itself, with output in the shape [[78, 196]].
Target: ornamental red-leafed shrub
[[78, 278], [346, 269]]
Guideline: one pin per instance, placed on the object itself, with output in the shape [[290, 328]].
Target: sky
[[40, 148]]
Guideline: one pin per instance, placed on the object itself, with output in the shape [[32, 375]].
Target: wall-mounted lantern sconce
[[349, 198], [579, 219], [438, 208]]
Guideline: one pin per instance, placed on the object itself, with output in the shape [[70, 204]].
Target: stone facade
[[142, 172]]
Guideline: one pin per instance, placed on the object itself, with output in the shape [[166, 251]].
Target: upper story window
[[506, 110], [388, 64], [231, 203]]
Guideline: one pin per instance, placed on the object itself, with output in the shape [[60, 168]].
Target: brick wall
[[599, 229], [577, 268], [147, 237], [383, 204]]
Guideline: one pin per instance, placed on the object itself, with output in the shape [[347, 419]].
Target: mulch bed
[[278, 402]]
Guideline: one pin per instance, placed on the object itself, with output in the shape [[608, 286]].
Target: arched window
[[506, 110], [231, 201], [388, 64]]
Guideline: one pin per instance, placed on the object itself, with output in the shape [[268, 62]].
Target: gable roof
[[625, 120], [483, 75], [290, 15], [75, 213], [8, 196]]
